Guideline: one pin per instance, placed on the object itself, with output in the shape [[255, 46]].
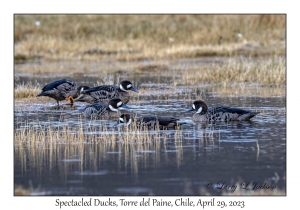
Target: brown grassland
[[138, 37], [161, 39]]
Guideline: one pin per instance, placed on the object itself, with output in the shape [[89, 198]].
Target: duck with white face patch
[[106, 92], [221, 113], [103, 110], [150, 121]]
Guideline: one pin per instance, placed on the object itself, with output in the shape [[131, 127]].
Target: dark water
[[198, 158]]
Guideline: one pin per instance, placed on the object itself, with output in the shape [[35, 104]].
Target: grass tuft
[[27, 90]]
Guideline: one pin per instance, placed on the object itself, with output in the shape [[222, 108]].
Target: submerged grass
[[46, 147], [138, 37], [41, 134]]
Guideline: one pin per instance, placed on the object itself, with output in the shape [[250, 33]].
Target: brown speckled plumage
[[106, 92], [220, 113], [63, 89], [104, 110]]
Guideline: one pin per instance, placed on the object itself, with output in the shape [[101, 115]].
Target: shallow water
[[199, 157], [228, 152]]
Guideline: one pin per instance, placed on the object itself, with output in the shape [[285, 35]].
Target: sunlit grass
[[267, 71], [27, 90], [138, 37]]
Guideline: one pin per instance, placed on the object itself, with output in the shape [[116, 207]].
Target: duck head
[[199, 106], [116, 104], [124, 119], [126, 85]]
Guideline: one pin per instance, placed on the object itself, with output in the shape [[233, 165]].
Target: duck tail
[[41, 94], [248, 116], [181, 123]]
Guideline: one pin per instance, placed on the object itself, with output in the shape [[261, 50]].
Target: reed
[[43, 147]]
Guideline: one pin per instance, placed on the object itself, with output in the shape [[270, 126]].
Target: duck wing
[[165, 121], [231, 110], [62, 84], [102, 92]]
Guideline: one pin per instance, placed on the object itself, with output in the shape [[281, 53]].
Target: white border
[[8, 201]]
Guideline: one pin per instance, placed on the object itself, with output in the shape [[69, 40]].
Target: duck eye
[[194, 106], [119, 103], [129, 86]]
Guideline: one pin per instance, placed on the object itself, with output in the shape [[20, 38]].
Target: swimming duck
[[106, 92], [149, 121], [220, 113], [63, 89], [100, 109]]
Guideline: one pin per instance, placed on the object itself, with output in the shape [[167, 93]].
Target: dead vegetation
[[139, 37]]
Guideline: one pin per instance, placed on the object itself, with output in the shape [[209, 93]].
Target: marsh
[[239, 62], [60, 153]]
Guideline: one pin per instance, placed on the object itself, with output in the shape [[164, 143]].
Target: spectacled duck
[[106, 92], [149, 121], [221, 113], [104, 110], [63, 89]]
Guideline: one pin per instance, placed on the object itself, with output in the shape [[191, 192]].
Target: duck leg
[[57, 103], [72, 101]]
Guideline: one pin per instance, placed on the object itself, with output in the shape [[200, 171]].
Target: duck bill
[[124, 106], [191, 109], [133, 89], [116, 123]]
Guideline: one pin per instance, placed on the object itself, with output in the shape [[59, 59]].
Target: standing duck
[[106, 92], [104, 110], [149, 121], [221, 113], [63, 89]]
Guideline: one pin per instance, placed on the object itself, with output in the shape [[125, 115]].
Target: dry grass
[[25, 94], [27, 90], [244, 89], [51, 146], [136, 37], [20, 190], [41, 135], [264, 77], [271, 71]]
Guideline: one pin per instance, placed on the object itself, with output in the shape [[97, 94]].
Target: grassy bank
[[138, 37], [265, 72], [230, 76]]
